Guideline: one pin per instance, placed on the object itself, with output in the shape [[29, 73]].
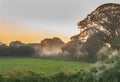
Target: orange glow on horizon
[[27, 39], [10, 32]]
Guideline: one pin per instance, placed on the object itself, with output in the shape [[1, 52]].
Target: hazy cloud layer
[[57, 15]]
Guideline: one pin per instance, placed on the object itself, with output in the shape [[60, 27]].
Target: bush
[[107, 71]]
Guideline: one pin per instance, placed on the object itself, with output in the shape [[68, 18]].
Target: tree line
[[46, 47], [16, 48]]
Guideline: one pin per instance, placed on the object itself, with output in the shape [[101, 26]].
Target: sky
[[34, 20]]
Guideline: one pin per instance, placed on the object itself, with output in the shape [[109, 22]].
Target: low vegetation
[[47, 66], [101, 28], [107, 71]]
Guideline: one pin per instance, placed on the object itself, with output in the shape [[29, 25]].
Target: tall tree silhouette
[[99, 27]]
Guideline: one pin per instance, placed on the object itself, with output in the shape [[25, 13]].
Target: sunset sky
[[33, 20]]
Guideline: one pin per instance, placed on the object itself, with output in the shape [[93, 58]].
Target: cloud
[[49, 10], [56, 16], [40, 9]]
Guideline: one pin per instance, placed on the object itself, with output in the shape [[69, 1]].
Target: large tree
[[98, 28]]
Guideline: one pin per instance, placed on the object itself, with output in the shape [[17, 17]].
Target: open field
[[47, 66]]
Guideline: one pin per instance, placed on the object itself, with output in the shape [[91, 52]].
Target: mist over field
[[49, 47], [59, 41]]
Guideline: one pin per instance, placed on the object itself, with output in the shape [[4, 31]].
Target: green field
[[47, 66]]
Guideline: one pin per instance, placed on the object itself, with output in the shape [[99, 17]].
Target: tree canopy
[[98, 28]]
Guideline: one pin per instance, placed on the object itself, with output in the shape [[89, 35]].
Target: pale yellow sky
[[10, 31], [34, 20]]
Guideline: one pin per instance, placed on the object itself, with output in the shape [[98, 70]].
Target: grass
[[101, 73], [47, 66]]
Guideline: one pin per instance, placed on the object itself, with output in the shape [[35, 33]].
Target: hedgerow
[[107, 71]]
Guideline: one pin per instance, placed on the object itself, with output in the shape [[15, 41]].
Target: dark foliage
[[105, 21], [99, 27], [16, 49]]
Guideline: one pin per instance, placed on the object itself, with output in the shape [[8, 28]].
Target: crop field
[[47, 66]]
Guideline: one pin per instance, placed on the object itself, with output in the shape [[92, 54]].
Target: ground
[[47, 66]]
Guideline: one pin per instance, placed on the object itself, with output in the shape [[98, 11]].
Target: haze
[[34, 20]]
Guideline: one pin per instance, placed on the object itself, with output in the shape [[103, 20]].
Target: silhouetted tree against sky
[[73, 47], [3, 49], [99, 27], [52, 42], [51, 46], [16, 44], [47, 46], [17, 48]]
